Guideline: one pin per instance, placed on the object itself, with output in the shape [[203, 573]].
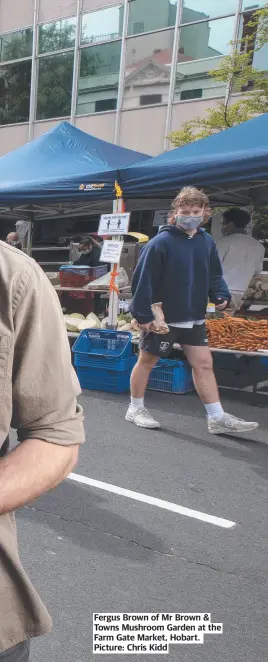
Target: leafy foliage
[[260, 223]]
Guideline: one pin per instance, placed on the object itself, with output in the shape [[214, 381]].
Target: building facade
[[127, 71]]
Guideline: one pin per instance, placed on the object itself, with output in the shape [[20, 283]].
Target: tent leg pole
[[29, 239], [113, 306], [118, 207]]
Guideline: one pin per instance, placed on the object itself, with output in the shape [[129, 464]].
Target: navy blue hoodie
[[180, 271]]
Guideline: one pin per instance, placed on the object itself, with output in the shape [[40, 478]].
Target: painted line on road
[[152, 501]]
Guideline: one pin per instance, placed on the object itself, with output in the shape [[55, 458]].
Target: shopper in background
[[241, 255], [13, 240], [38, 390], [180, 269], [90, 251]]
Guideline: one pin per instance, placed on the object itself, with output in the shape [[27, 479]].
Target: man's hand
[[153, 327], [223, 305], [146, 327]]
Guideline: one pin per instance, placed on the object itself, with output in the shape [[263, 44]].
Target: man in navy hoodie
[[180, 269]]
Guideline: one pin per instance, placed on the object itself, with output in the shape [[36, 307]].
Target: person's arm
[[78, 262], [222, 250], [31, 469], [145, 281], [45, 410], [218, 291]]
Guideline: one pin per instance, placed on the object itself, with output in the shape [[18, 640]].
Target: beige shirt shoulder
[[38, 391]]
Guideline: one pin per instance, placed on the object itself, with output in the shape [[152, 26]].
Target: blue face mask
[[189, 222]]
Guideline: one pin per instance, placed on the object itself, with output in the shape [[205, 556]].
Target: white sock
[[137, 402], [214, 410]]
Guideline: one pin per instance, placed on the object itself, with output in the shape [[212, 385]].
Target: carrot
[[238, 333]]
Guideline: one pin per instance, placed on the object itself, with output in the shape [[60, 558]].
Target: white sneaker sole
[[131, 419], [224, 430]]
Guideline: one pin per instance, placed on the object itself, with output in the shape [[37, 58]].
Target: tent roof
[[232, 166], [63, 165]]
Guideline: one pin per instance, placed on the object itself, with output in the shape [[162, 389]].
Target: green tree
[[15, 84], [55, 79], [237, 72], [56, 36], [260, 222]]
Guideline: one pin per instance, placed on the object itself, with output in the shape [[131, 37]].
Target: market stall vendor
[[90, 251], [13, 240], [241, 255]]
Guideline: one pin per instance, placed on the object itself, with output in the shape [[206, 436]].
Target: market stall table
[[251, 371], [256, 371]]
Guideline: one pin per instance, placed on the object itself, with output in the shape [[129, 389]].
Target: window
[[201, 49], [151, 15], [103, 105], [99, 76], [15, 85], [248, 33], [248, 44], [138, 27], [251, 4], [148, 65], [57, 36], [16, 45], [103, 25], [197, 10], [55, 80], [191, 94], [150, 99]]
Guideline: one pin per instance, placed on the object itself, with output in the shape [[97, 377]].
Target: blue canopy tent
[[64, 169], [232, 166]]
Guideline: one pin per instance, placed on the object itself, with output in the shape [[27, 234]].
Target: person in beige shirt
[[241, 256], [38, 391]]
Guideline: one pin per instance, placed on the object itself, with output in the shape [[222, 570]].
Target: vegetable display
[[238, 333], [224, 331], [257, 290]]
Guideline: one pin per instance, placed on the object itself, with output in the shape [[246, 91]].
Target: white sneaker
[[141, 417], [229, 424]]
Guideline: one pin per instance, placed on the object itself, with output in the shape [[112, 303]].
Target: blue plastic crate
[[264, 363], [110, 381], [171, 376], [101, 348]]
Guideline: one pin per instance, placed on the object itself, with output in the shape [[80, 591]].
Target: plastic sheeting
[[231, 165], [65, 164]]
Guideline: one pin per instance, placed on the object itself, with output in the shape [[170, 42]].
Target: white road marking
[[160, 503]]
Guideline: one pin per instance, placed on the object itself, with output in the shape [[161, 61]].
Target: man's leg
[[141, 373], [139, 379], [152, 347], [19, 653], [205, 383], [203, 375]]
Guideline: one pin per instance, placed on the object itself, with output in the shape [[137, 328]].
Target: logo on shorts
[[164, 346], [206, 340]]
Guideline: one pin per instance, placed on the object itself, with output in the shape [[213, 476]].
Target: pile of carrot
[[238, 333]]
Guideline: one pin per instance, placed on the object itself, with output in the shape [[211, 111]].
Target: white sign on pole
[[114, 224], [111, 251]]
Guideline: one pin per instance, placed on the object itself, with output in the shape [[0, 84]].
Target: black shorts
[[161, 345]]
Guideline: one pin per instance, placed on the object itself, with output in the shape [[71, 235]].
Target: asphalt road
[[87, 550]]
